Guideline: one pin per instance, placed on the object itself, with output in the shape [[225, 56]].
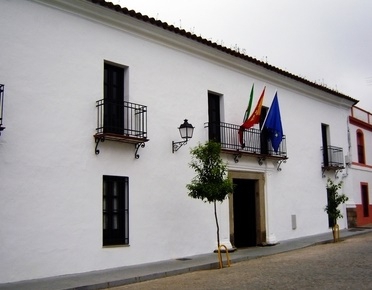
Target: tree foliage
[[334, 200], [210, 183]]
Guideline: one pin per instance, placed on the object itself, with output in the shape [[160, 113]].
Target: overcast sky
[[324, 41]]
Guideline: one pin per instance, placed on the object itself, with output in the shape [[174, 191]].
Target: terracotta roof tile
[[214, 45]]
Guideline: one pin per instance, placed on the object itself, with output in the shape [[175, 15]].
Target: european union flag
[[273, 124]]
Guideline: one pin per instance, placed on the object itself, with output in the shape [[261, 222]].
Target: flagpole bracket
[[260, 160]]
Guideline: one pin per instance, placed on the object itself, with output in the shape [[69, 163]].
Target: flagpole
[[253, 119], [267, 114]]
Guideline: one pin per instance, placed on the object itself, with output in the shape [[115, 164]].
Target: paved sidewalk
[[132, 274]]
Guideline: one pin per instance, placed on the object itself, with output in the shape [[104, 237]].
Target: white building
[[68, 66]]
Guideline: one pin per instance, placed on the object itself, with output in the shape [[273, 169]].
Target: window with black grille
[[115, 210]]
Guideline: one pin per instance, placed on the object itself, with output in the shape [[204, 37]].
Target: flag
[[273, 124], [248, 111], [253, 119]]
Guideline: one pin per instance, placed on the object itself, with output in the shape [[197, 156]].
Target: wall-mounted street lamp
[[186, 131]]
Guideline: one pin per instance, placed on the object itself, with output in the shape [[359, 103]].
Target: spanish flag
[[253, 119]]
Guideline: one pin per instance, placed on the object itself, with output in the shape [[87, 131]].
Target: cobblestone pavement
[[343, 265]]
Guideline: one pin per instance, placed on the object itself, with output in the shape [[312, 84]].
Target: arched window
[[360, 145]]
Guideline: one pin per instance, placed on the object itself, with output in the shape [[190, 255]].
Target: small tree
[[210, 183], [334, 200]]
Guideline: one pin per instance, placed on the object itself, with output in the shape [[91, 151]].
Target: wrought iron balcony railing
[[255, 141], [124, 122], [333, 157]]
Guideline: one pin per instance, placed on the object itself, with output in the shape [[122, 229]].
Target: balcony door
[[113, 99], [325, 143], [214, 117]]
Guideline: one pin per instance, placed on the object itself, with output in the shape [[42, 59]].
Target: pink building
[[360, 135]]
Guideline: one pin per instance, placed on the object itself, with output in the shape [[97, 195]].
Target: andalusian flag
[[253, 119], [248, 111]]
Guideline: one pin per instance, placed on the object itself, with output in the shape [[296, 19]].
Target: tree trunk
[[218, 228], [336, 232]]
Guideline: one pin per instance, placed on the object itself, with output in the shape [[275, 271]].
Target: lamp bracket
[[178, 145]]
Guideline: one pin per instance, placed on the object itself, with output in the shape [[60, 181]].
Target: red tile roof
[[214, 45]]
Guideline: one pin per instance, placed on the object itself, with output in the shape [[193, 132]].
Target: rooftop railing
[[361, 115]]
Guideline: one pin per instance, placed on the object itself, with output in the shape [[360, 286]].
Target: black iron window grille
[[121, 121], [115, 210], [255, 141], [1, 107]]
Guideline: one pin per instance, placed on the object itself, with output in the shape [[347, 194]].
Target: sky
[[325, 41]]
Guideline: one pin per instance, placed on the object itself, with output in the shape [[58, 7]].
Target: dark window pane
[[365, 200], [360, 147], [214, 118]]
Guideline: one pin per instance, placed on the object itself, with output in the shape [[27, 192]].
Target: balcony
[[1, 107], [255, 142], [121, 122], [333, 159]]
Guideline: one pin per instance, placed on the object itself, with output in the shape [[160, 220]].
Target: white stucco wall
[[51, 189]]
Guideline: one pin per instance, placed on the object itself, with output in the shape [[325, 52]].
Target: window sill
[[115, 246], [362, 165]]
